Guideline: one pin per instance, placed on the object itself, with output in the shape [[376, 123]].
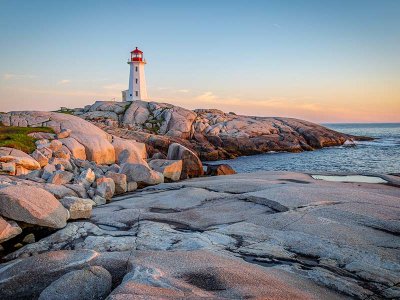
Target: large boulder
[[178, 122], [76, 148], [8, 229], [32, 205], [171, 169], [129, 151], [97, 143], [137, 113], [141, 174], [93, 283], [191, 164], [112, 106]]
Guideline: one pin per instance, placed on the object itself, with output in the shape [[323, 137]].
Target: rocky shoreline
[[210, 133], [92, 213], [264, 235]]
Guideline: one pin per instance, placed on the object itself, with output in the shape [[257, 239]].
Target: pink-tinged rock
[[171, 169], [76, 148], [42, 159], [97, 143], [120, 182], [105, 187], [78, 208], [9, 168], [4, 151], [129, 151], [8, 229], [55, 145], [191, 164], [32, 205], [64, 133], [61, 177], [141, 174], [26, 162]]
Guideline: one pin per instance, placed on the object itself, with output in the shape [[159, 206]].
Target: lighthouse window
[[137, 93], [136, 69], [136, 80]]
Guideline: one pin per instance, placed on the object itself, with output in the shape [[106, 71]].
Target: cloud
[[183, 91], [277, 25], [11, 76], [207, 97], [64, 81]]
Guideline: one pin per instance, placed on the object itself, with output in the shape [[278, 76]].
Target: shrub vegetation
[[18, 138]]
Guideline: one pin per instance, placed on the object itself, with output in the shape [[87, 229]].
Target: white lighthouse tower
[[137, 81]]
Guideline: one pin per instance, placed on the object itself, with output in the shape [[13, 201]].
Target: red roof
[[136, 51]]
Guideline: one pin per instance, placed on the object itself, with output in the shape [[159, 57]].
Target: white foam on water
[[350, 178]]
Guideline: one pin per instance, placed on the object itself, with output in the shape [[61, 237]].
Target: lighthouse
[[137, 81]]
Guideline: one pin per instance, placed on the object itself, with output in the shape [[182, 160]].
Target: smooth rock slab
[[27, 278], [32, 205], [93, 283]]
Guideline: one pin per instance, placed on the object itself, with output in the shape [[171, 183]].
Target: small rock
[[8, 229], [105, 188], [171, 169], [55, 145], [99, 200], [64, 133], [120, 182], [131, 186], [86, 177], [61, 177], [78, 208], [222, 169], [40, 157], [9, 168], [29, 239]]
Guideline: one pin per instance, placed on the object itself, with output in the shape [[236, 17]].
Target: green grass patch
[[18, 138]]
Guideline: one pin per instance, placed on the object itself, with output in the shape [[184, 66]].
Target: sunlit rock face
[[211, 133]]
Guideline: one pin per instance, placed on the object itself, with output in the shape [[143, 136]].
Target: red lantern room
[[136, 55]]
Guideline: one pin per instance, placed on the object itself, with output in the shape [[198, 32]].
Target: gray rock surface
[[93, 283], [276, 235]]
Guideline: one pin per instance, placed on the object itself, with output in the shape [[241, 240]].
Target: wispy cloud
[[64, 81], [183, 91], [207, 97], [12, 76]]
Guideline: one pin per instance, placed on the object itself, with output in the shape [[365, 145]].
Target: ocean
[[381, 156]]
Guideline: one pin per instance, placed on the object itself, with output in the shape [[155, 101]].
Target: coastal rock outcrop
[[97, 143], [213, 134]]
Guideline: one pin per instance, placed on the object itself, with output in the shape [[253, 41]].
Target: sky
[[319, 60]]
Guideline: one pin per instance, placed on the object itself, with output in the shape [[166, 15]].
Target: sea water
[[381, 155]]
